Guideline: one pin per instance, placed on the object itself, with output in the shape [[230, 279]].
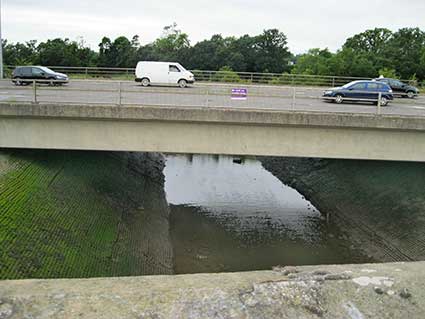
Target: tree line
[[368, 54]]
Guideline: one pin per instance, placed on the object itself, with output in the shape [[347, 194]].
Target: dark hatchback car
[[399, 88], [360, 91], [24, 75]]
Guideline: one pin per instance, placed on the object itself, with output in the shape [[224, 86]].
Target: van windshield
[[180, 67]]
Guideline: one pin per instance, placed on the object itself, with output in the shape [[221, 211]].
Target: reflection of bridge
[[212, 131]]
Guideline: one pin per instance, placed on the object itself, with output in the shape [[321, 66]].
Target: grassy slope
[[76, 214], [381, 205]]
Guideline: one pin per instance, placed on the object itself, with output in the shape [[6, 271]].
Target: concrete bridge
[[212, 131], [350, 291]]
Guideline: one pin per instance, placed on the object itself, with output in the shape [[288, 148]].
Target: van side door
[[174, 74]]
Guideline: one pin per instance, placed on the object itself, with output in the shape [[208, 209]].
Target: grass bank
[[82, 214]]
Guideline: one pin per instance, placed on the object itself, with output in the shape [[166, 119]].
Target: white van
[[170, 73]]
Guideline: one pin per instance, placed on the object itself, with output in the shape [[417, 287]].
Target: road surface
[[200, 95]]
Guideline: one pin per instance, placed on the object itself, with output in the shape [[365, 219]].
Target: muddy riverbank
[[380, 206]]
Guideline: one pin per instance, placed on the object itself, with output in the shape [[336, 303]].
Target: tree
[[314, 62], [207, 54], [122, 53], [370, 41], [63, 52], [171, 43], [405, 51], [272, 52], [20, 53]]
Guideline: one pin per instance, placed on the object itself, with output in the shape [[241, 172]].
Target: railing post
[[378, 111], [333, 81], [294, 96], [119, 93], [34, 90], [207, 102], [87, 72]]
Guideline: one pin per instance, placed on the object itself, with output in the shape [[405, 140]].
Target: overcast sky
[[307, 24]]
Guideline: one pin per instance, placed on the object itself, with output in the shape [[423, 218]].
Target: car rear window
[[25, 71]]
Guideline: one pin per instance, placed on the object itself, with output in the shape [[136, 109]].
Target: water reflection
[[229, 215]]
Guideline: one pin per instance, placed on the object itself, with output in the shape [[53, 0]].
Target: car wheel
[[145, 82], [18, 82], [410, 94], [384, 101], [52, 82], [339, 99], [182, 83]]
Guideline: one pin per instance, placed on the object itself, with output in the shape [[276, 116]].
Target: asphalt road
[[201, 95]]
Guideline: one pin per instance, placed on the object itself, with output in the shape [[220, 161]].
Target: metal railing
[[125, 93], [210, 76]]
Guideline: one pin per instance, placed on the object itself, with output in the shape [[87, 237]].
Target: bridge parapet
[[360, 291]]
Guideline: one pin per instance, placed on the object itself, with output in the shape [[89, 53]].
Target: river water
[[229, 215]]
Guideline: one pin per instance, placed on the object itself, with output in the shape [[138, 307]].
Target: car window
[[37, 71], [173, 68], [396, 83], [358, 86], [24, 71], [373, 86], [383, 87], [46, 70]]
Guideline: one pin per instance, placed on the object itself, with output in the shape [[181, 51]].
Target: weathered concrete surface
[[212, 131], [355, 292]]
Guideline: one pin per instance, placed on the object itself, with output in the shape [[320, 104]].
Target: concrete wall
[[212, 131], [354, 292]]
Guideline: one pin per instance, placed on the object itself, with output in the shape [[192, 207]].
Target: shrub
[[226, 74]]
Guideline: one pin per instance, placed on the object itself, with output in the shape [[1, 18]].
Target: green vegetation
[[265, 52], [75, 214], [226, 74], [367, 54], [399, 54]]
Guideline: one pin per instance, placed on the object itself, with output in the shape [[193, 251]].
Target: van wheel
[[182, 83], [145, 82], [18, 82]]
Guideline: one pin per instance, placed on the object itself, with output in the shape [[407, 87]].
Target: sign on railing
[[239, 94]]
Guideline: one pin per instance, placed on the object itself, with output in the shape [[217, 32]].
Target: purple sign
[[239, 94]]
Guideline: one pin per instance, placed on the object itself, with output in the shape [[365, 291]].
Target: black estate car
[[399, 88], [360, 91], [24, 75]]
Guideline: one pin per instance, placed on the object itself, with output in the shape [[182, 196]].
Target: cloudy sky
[[307, 23]]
